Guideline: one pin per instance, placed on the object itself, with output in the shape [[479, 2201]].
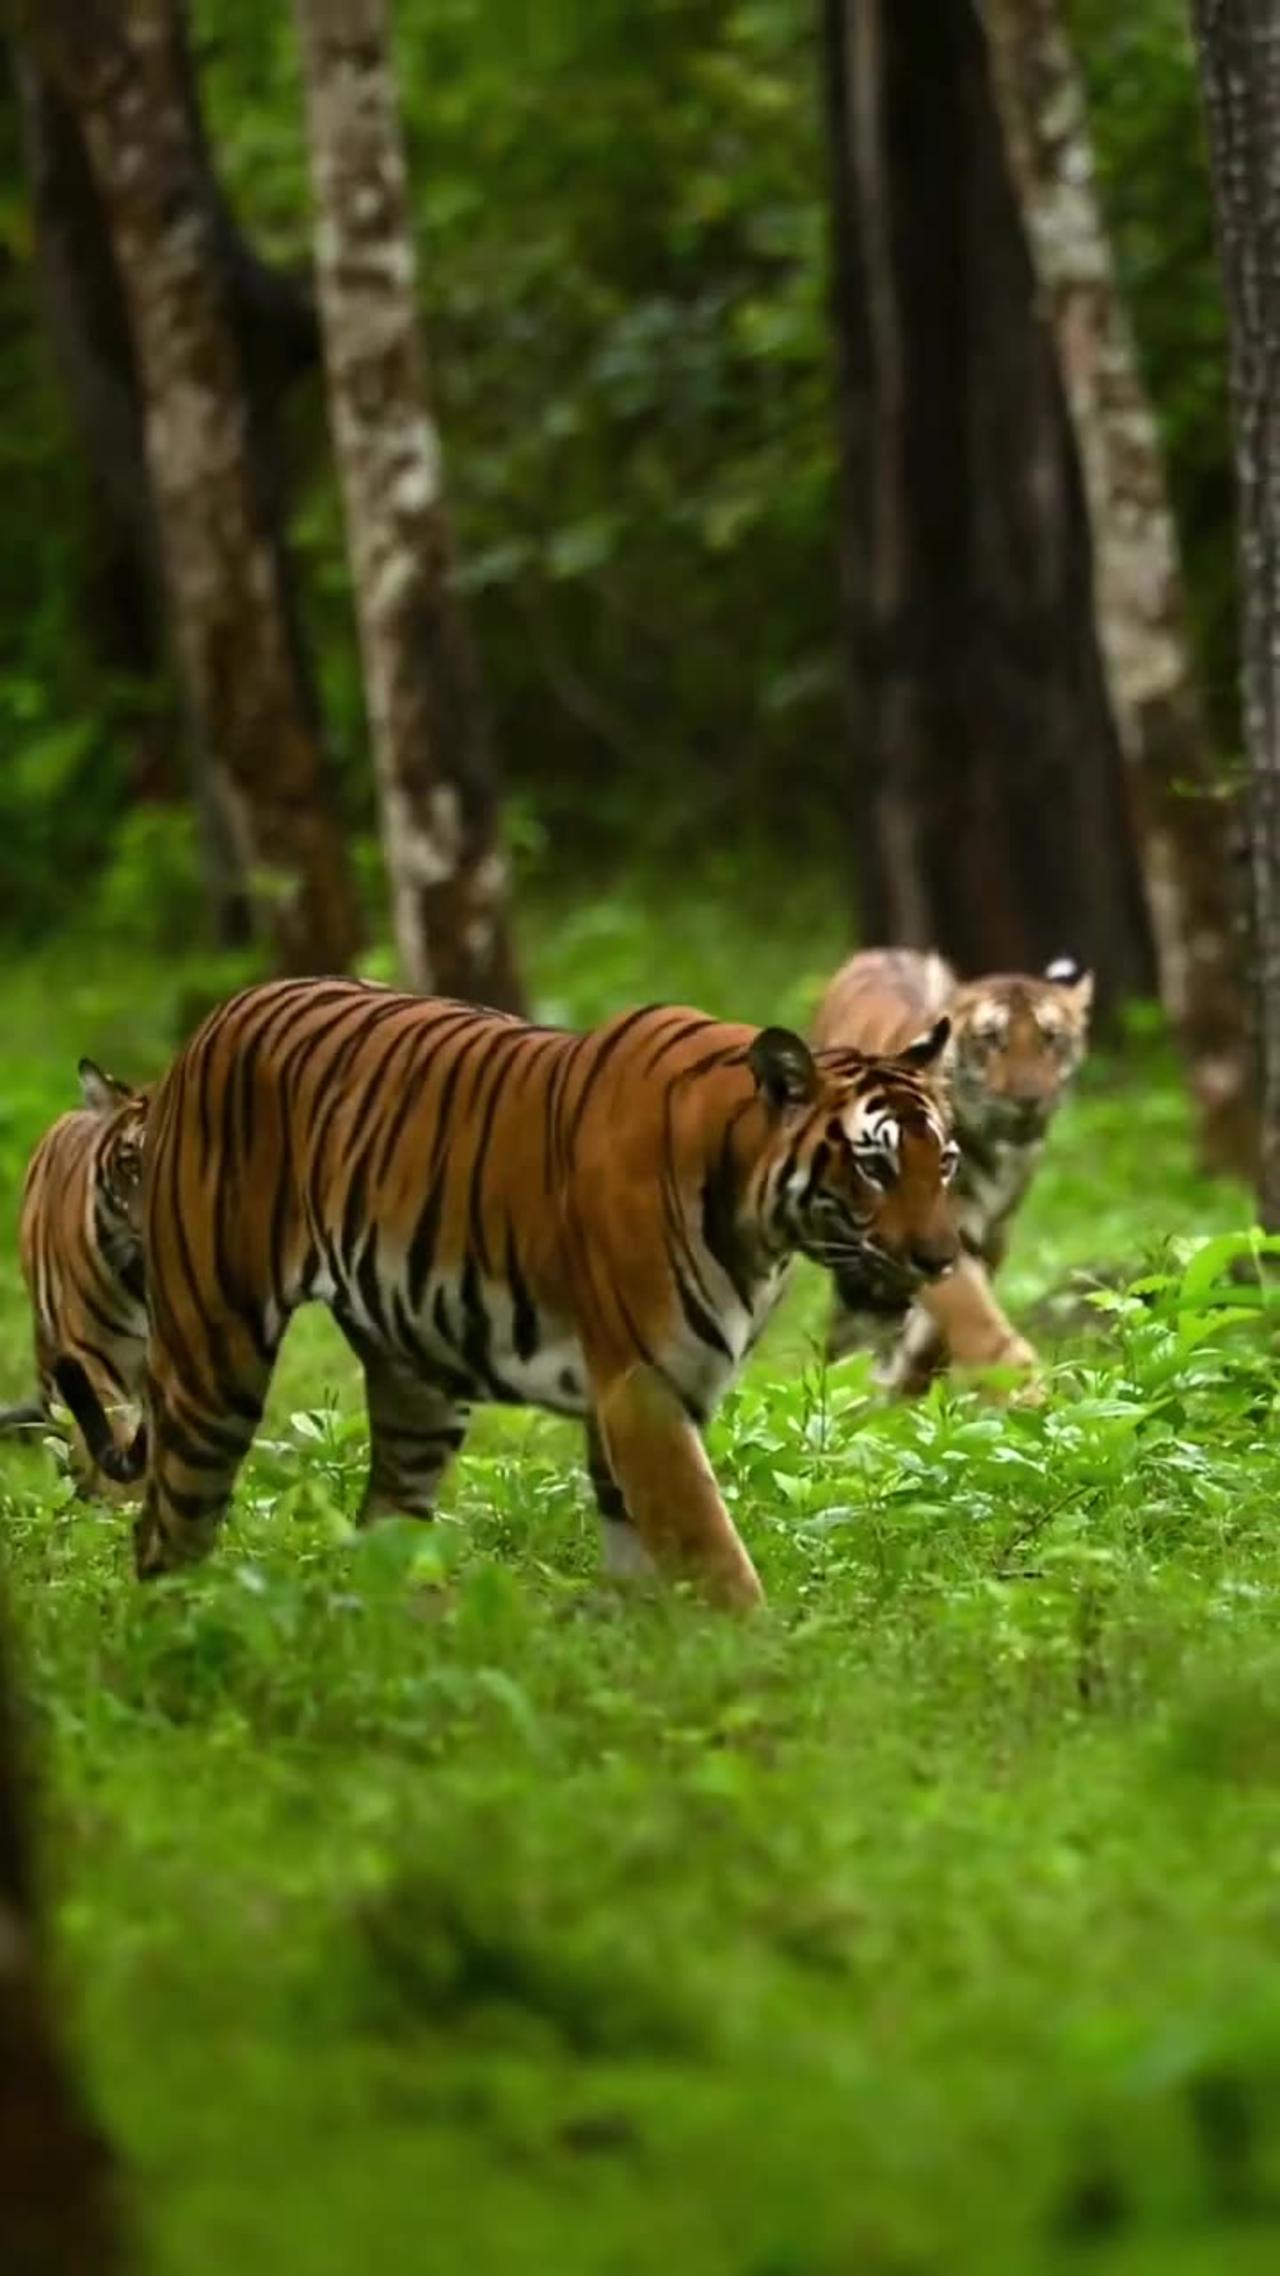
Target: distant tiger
[[1017, 1041], [81, 1250], [598, 1224]]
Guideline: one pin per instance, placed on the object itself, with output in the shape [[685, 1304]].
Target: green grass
[[423, 1908]]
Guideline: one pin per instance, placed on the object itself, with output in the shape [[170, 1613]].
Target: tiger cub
[[1017, 1041], [81, 1248], [598, 1224]]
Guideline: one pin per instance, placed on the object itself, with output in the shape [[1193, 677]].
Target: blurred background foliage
[[625, 300]]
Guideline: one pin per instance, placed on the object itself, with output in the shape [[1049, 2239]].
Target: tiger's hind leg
[[415, 1429], [196, 1437], [624, 1554]]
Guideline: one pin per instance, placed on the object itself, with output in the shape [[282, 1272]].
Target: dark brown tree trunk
[[124, 67], [60, 2213], [88, 324], [89, 329], [1182, 816], [992, 815], [436, 781], [122, 607], [1238, 44]]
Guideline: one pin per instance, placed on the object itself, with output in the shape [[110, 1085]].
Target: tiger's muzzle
[[885, 1282]]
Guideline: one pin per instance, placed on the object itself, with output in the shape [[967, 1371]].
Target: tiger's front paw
[[1012, 1374], [1033, 1390]]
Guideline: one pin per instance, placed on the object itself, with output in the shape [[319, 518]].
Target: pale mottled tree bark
[[989, 802], [1180, 812], [436, 782], [1238, 44], [121, 64], [60, 2211]]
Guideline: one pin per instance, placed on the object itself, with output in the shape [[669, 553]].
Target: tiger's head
[[861, 1157], [1017, 1043], [118, 1163]]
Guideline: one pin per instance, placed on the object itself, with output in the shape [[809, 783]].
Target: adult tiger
[[81, 1248], [598, 1224], [1017, 1040]]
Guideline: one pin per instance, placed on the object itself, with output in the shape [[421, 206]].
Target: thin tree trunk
[[991, 809], [88, 326], [123, 65], [1238, 44], [60, 2213], [84, 302], [436, 781], [1180, 812]]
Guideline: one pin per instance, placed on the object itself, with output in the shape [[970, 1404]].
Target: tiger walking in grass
[[1016, 1043], [598, 1224], [81, 1249]]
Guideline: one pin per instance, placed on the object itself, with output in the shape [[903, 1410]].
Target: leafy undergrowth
[[423, 1906]]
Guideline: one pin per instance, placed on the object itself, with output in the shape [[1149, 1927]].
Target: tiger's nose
[[934, 1259], [1028, 1108]]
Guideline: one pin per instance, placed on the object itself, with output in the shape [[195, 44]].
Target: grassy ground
[[423, 1909]]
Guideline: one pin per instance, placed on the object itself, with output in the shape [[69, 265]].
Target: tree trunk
[[88, 326], [436, 783], [123, 65], [992, 813], [59, 2209], [1238, 45], [1181, 815]]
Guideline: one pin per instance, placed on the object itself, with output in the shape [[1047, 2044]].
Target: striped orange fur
[[1017, 1040], [81, 1248], [598, 1224]]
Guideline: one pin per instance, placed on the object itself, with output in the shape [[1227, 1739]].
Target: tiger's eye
[[876, 1165]]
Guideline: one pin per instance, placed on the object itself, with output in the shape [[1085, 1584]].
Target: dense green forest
[[622, 228], [410, 1897], [412, 1891]]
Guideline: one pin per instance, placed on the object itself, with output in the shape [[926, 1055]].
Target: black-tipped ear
[[927, 1048], [100, 1091], [1065, 972], [783, 1066]]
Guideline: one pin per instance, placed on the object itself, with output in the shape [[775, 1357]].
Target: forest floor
[[423, 1908]]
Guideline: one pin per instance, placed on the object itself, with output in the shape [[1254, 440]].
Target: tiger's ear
[[783, 1066], [1065, 971], [927, 1049], [101, 1091]]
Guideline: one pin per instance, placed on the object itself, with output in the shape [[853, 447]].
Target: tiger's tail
[[28, 1415]]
